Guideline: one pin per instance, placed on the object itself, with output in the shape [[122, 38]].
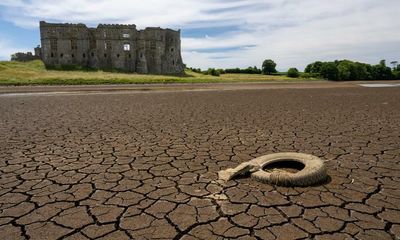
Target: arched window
[[127, 47]]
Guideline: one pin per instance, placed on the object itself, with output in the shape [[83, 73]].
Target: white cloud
[[7, 48], [291, 32]]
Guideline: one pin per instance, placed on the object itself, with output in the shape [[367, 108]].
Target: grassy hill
[[35, 73]]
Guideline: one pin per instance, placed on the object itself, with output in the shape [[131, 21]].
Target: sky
[[228, 33]]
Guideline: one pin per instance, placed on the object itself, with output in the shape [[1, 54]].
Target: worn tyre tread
[[314, 170]]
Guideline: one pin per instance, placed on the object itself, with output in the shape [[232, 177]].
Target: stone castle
[[107, 47]]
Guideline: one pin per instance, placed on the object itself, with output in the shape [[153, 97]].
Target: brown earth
[[143, 165]]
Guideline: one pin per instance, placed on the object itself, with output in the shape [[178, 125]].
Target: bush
[[309, 75], [212, 72], [196, 70], [293, 73], [220, 71], [249, 70]]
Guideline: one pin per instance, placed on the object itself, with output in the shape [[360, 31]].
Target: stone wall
[[121, 47], [24, 57]]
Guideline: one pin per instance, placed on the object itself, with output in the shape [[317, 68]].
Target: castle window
[[129, 55], [117, 55], [61, 55], [84, 55], [107, 45], [141, 55], [173, 62], [172, 49], [92, 54], [105, 55], [104, 34], [127, 47], [125, 35], [73, 55], [52, 55]]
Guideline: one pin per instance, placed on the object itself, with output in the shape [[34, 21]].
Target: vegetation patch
[[346, 70], [35, 73]]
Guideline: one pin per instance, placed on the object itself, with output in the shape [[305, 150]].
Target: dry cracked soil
[[144, 165]]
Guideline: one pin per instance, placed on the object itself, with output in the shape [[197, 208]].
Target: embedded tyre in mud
[[311, 169]]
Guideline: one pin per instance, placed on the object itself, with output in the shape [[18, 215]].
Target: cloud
[[293, 33], [7, 48]]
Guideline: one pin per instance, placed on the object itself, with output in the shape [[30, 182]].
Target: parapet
[[45, 24], [117, 26], [113, 26]]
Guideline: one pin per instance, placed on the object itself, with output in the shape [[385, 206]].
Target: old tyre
[[313, 172]]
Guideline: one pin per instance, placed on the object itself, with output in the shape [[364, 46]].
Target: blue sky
[[228, 33]]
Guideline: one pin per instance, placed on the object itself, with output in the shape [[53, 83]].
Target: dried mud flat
[[144, 165]]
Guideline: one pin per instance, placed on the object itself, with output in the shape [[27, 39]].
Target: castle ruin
[[108, 47]]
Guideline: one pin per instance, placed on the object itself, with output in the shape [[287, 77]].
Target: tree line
[[346, 70], [218, 72], [339, 70]]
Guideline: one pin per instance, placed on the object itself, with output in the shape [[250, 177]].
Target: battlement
[[46, 24], [116, 26]]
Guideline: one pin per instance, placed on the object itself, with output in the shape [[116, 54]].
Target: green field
[[35, 73]]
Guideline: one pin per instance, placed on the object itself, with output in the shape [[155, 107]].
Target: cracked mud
[[145, 165]]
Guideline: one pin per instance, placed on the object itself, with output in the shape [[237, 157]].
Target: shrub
[[212, 72], [249, 70], [293, 73], [309, 75], [221, 71]]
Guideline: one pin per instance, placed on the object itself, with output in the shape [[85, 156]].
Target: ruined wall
[[24, 57], [122, 47]]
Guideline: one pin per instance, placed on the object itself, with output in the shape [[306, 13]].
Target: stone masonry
[[108, 47]]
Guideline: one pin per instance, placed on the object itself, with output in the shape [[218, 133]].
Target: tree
[[314, 67], [293, 73], [212, 72], [268, 67], [394, 64], [382, 72], [348, 70], [396, 72], [329, 71]]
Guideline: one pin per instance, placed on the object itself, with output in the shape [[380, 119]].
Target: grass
[[35, 73]]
